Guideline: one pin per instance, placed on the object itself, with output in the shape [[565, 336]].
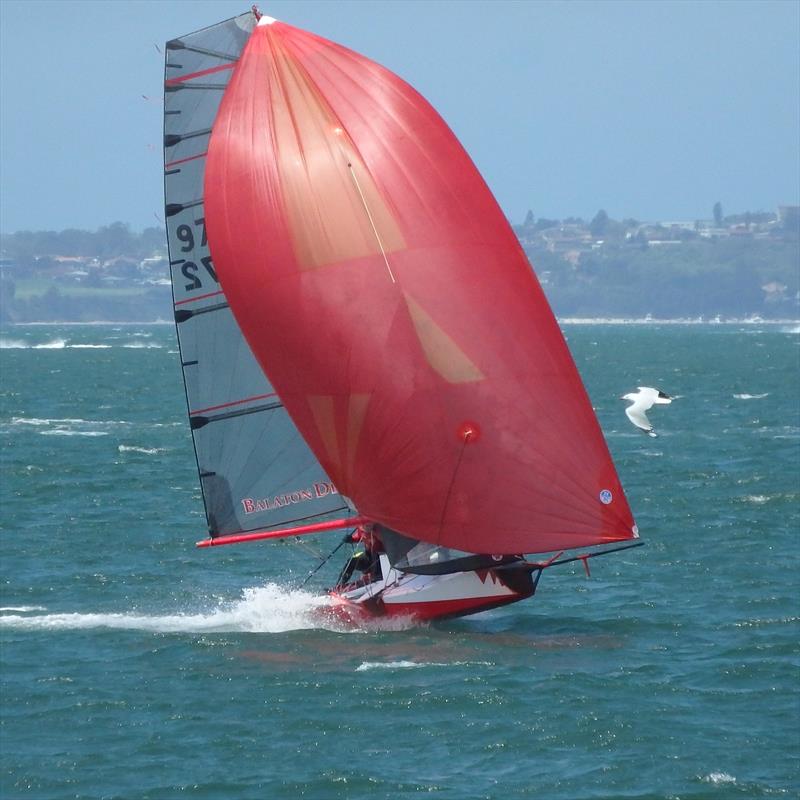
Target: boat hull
[[424, 598]]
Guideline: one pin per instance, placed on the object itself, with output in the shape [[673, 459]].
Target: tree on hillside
[[791, 220], [597, 227], [112, 240]]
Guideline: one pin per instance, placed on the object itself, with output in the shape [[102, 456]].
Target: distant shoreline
[[97, 322], [675, 321]]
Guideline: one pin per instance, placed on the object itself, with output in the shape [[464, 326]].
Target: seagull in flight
[[642, 401]]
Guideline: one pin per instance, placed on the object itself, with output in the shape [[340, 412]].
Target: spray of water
[[265, 609]]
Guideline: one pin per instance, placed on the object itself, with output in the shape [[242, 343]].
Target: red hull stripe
[[348, 611], [192, 75], [184, 160], [232, 403], [449, 608], [195, 299]]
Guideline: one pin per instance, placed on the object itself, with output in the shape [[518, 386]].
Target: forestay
[[256, 472]]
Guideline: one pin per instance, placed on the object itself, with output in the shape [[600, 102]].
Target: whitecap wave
[[718, 777], [69, 423], [369, 665], [21, 344], [65, 432], [115, 325], [62, 344], [759, 623], [366, 666], [147, 451], [264, 609], [757, 499], [21, 609], [30, 421], [751, 396]]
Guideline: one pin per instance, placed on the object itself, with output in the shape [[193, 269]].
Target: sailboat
[[364, 344]]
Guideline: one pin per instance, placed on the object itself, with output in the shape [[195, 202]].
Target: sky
[[651, 110]]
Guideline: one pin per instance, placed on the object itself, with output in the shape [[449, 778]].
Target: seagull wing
[[637, 416], [653, 395]]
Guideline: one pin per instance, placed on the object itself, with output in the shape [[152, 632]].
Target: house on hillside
[[568, 241], [8, 266], [118, 269]]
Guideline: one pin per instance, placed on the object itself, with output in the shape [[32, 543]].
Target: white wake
[[264, 609], [366, 666]]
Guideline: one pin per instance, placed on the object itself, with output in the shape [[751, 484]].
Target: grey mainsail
[[256, 472]]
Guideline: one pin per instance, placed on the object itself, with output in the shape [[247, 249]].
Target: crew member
[[366, 557]]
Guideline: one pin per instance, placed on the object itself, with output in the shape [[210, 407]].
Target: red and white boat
[[422, 598], [362, 337], [428, 597]]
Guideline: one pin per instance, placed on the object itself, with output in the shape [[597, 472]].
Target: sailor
[[365, 557]]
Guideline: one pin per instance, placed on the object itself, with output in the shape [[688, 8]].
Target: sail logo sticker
[[606, 497], [315, 492]]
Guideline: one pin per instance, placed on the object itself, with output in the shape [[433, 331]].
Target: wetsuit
[[361, 560]]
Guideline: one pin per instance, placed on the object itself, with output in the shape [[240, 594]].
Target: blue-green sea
[[136, 666]]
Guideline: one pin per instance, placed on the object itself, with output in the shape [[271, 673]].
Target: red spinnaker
[[390, 304]]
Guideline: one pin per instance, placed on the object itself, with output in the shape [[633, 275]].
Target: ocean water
[[135, 666]]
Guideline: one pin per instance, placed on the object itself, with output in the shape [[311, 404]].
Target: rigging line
[[297, 519], [323, 562], [301, 544], [371, 221], [467, 437]]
